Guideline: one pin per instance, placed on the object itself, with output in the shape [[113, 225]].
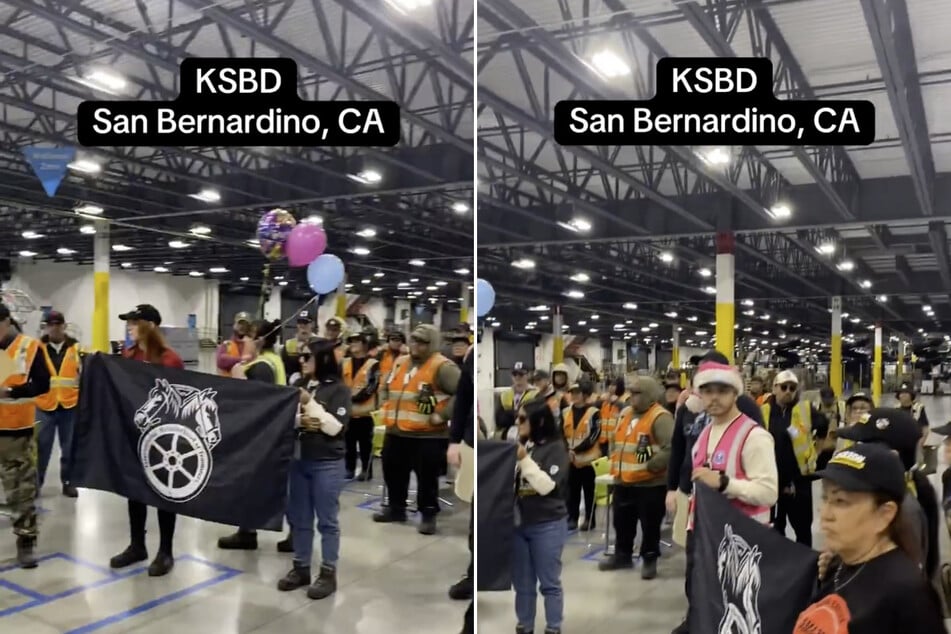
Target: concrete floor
[[621, 602], [391, 579]]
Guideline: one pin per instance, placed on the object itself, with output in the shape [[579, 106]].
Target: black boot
[[461, 590], [298, 577], [363, 477], [324, 585], [131, 555], [520, 629], [552, 630], [26, 557], [427, 525], [239, 541], [390, 515], [649, 569], [70, 491], [286, 545], [615, 562], [161, 565]]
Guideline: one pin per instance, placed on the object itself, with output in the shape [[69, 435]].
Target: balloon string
[[294, 315], [264, 290]]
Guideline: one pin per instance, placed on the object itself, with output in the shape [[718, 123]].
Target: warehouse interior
[[175, 227], [829, 261]]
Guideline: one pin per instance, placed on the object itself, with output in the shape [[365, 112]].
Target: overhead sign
[[49, 164]]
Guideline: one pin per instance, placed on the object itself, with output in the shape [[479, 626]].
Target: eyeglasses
[[788, 387]]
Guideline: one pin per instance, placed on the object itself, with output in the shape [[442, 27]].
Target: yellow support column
[[835, 365], [726, 309], [464, 311], [877, 367], [558, 346], [675, 356], [100, 285], [342, 300]]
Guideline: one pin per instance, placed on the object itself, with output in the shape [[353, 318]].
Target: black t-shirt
[[946, 497], [885, 594]]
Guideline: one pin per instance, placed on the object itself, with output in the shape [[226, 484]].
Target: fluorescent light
[[826, 248], [595, 317], [195, 273], [87, 229], [104, 81], [32, 235], [218, 269], [417, 263], [405, 6], [609, 65], [85, 166], [244, 278], [582, 323], [780, 211], [89, 210], [705, 272], [926, 307], [710, 290], [692, 318], [127, 265], [667, 257], [524, 263], [781, 322], [367, 233], [284, 283], [574, 294], [541, 308], [460, 207], [671, 314], [200, 230], [580, 277], [495, 324], [845, 265], [577, 225], [313, 219], [28, 254], [653, 324], [431, 288], [402, 285], [65, 251], [883, 298], [414, 279], [630, 306], [441, 283], [254, 242], [716, 156], [855, 320], [360, 251], [462, 271], [366, 177], [160, 269], [700, 333], [177, 244], [866, 283], [206, 196], [121, 247], [646, 329]]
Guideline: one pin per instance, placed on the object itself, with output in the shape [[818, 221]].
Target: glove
[[426, 403], [644, 450]]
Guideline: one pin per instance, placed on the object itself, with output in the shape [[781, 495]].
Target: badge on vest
[[793, 432], [719, 457]]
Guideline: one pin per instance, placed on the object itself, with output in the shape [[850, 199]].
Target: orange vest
[[387, 361], [400, 409], [609, 416], [64, 385], [19, 413], [761, 399], [232, 349], [575, 434], [357, 383], [624, 464]]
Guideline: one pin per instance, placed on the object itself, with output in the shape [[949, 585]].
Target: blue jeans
[[62, 421], [536, 565], [315, 490]]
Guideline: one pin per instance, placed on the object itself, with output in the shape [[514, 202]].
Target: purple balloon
[[273, 229], [305, 243]]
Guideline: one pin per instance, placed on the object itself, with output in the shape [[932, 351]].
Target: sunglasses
[[306, 357], [788, 387]]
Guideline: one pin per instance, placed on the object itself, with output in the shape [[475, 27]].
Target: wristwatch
[[724, 482]]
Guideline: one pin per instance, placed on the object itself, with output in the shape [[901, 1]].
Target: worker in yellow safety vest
[[23, 377], [512, 398], [835, 412], [293, 348], [795, 426], [56, 410]]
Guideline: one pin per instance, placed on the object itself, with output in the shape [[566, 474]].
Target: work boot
[[364, 476], [521, 629], [552, 630], [461, 590], [389, 515], [70, 491], [131, 555], [239, 541], [161, 565], [324, 585], [26, 556], [427, 526], [286, 545], [298, 577], [649, 569], [348, 475], [615, 562]]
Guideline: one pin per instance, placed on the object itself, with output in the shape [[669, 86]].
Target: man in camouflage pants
[[23, 377]]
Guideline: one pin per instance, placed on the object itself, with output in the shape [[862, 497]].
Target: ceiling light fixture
[[244, 278], [195, 273], [127, 265], [609, 65], [716, 156], [417, 263], [360, 251], [206, 196], [826, 248], [32, 235], [666, 257], [104, 81], [85, 166], [524, 263], [630, 306], [846, 265], [218, 269], [65, 251], [575, 294], [367, 233], [200, 230], [462, 271], [121, 247], [705, 272], [160, 269], [87, 229], [28, 254], [366, 177], [88, 210], [177, 244], [580, 277], [460, 207], [575, 225], [780, 211]]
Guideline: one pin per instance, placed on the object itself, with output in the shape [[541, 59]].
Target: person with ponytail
[[148, 345], [874, 582]]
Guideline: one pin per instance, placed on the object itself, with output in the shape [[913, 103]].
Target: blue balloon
[[325, 274], [485, 297]]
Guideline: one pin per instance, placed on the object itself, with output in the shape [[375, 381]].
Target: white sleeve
[[761, 486], [328, 422], [540, 481]]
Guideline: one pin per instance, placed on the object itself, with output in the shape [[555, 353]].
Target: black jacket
[[462, 425], [334, 397], [787, 466]]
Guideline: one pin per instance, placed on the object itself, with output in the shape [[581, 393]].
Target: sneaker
[[324, 585], [70, 491], [427, 526], [286, 545], [614, 562], [131, 555], [298, 577], [649, 569], [461, 590], [26, 555], [161, 565], [389, 515], [239, 541]]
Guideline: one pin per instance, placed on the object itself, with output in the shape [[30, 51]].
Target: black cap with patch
[[143, 312], [907, 388], [895, 428], [519, 369], [868, 468]]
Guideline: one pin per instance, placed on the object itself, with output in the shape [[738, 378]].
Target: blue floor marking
[[109, 577]]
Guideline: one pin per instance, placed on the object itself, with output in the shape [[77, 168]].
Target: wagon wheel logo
[[175, 460]]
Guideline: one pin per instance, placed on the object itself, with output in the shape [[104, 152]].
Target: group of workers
[[763, 451]]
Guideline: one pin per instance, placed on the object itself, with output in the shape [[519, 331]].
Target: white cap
[[786, 376]]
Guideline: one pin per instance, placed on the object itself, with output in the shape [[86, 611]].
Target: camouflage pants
[[18, 476]]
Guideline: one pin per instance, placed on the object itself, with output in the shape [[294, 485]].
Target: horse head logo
[[739, 573], [162, 399], [202, 405]]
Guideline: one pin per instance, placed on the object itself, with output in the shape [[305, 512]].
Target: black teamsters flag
[[196, 444], [496, 514], [746, 576]]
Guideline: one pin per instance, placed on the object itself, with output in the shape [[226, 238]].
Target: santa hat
[[720, 373]]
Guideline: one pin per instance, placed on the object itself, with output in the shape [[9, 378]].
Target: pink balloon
[[306, 242]]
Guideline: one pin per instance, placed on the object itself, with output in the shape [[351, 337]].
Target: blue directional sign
[[49, 164]]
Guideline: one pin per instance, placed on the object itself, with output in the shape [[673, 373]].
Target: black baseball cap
[[869, 468], [519, 369], [304, 317], [859, 396], [334, 322], [459, 337], [143, 312], [905, 387], [55, 317], [888, 426]]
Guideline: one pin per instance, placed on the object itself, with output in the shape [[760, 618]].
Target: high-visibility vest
[[387, 362], [916, 410], [507, 398], [280, 377], [401, 407], [628, 436], [19, 413], [64, 385], [358, 383], [575, 434], [232, 349], [610, 414], [761, 399], [800, 425]]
